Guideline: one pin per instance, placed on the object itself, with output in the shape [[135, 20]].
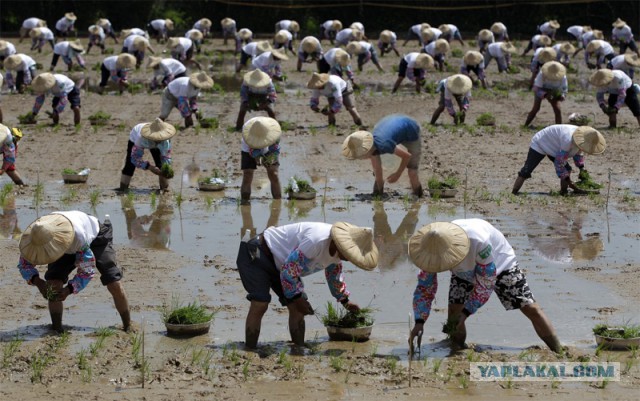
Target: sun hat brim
[[125, 61], [60, 233], [358, 145], [589, 140], [473, 58], [553, 71], [438, 247], [355, 244], [317, 81], [201, 80], [43, 82], [256, 79], [261, 132], [459, 84], [158, 131], [601, 78]]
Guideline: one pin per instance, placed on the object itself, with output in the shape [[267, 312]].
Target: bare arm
[[404, 155]]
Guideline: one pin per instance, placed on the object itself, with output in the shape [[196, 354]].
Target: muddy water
[[206, 228]]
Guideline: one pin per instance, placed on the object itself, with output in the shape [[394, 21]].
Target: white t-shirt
[[191, 31], [328, 25], [620, 81], [170, 66], [85, 227], [344, 35], [283, 24], [64, 24], [411, 59], [546, 29], [31, 23], [604, 49], [312, 239], [417, 29], [576, 31], [110, 63], [264, 61], [546, 84], [330, 56], [495, 50], [27, 62], [624, 34], [46, 33], [158, 24], [11, 49], [250, 48], [137, 32], [63, 85], [63, 49], [286, 33], [555, 138], [184, 45], [333, 88], [618, 63], [486, 244], [180, 87]]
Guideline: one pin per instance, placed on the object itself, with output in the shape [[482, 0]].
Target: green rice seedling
[[603, 384], [486, 119], [313, 130], [449, 375], [555, 384], [61, 341], [457, 53], [245, 369], [38, 363], [28, 118], [178, 198], [96, 346], [509, 383], [337, 363], [437, 363], [192, 313], [472, 356], [374, 350], [298, 371], [105, 332], [282, 357], [153, 198], [38, 193], [234, 356], [628, 366], [9, 350], [392, 364], [69, 171], [208, 202], [99, 118], [87, 374], [287, 125], [627, 197], [347, 202], [167, 170], [634, 351], [82, 359], [94, 197], [463, 380], [70, 196], [339, 317]]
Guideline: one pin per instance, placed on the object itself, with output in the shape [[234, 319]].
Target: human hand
[[416, 333], [303, 306], [316, 109], [393, 177], [351, 307], [43, 287], [155, 170], [63, 294]]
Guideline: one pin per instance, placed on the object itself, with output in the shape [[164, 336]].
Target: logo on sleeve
[[486, 252]]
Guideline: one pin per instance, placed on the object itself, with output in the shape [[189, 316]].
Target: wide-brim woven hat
[[317, 81], [205, 23], [125, 61], [357, 34], [354, 48], [597, 34], [12, 62], [589, 140], [632, 59], [385, 36], [310, 44], [227, 22], [35, 33], [140, 43], [438, 247], [154, 62], [442, 46], [281, 37], [337, 25], [358, 145], [76, 45], [195, 35], [125, 32], [168, 24], [261, 132], [507, 47], [553, 71], [594, 45], [618, 23], [201, 80], [567, 48], [445, 28], [472, 57], [424, 26], [355, 244], [485, 34], [427, 34], [544, 40], [294, 26], [601, 77], [46, 239], [70, 16], [278, 54], [245, 33], [3, 45], [262, 47], [342, 57], [41, 23], [158, 131], [102, 22], [459, 84], [498, 27], [43, 82], [94, 29], [546, 54], [554, 24], [256, 79], [424, 61], [586, 28], [173, 42]]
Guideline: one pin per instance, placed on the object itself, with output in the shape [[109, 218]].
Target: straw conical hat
[[154, 62], [445, 28], [3, 45], [354, 48], [262, 47], [70, 16], [355, 244], [43, 82], [256, 79], [12, 62], [277, 54], [357, 34], [567, 48], [46, 239], [245, 33], [507, 47], [358, 145], [442, 46], [95, 29], [201, 80], [554, 24], [498, 27], [281, 37], [168, 24], [342, 57], [125, 61], [632, 59], [195, 35], [619, 23], [424, 61], [227, 22], [544, 40], [438, 247], [158, 131], [594, 45], [294, 26], [485, 34], [427, 34], [35, 33], [205, 22], [424, 26], [317, 81], [261, 132], [459, 84], [553, 71], [310, 44], [385, 36], [473, 57], [76, 45], [173, 42], [589, 140], [337, 25], [41, 23], [140, 43], [125, 32], [546, 54], [102, 22], [601, 77]]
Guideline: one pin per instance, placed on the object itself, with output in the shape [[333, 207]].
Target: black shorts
[[258, 272], [105, 74], [402, 68], [129, 167], [533, 159], [105, 255], [323, 66], [511, 288], [248, 162], [631, 100], [73, 97]]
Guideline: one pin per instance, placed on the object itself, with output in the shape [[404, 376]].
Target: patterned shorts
[[511, 287]]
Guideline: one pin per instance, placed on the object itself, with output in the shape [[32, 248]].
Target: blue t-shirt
[[393, 130]]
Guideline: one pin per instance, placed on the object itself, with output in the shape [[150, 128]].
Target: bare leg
[[397, 84], [415, 181], [356, 117], [245, 187], [15, 177], [276, 191], [254, 323], [76, 115], [542, 326], [56, 307], [555, 104], [613, 120], [121, 302], [241, 114], [296, 325], [534, 110], [517, 185], [436, 114], [378, 185]]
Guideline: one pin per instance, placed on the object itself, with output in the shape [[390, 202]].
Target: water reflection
[[9, 220], [247, 217], [558, 237], [191, 173], [392, 246], [149, 231]]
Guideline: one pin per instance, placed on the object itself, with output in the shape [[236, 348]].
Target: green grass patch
[[341, 317], [622, 331], [192, 313]]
